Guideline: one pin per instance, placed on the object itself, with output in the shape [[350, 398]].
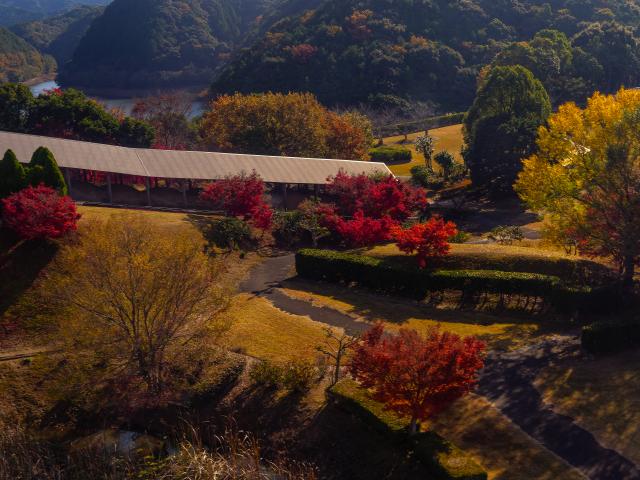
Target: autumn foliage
[[376, 197], [417, 376], [241, 196], [360, 231], [367, 209], [39, 212], [293, 124], [428, 240]]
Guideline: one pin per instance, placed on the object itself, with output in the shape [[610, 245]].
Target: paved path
[[507, 380]]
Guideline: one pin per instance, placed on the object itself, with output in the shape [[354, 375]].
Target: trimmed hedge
[[611, 337], [401, 279], [390, 154], [443, 459]]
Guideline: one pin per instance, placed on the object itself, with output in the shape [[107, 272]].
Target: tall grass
[[236, 456]]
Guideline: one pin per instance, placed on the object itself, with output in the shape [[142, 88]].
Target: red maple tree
[[240, 196], [360, 231], [39, 212], [429, 240], [376, 197], [417, 376]]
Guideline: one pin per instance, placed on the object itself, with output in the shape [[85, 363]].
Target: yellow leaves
[[574, 156]]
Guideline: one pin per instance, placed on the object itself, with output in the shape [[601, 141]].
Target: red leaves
[[361, 231], [376, 198], [241, 196], [367, 209], [39, 212], [430, 240], [417, 376]]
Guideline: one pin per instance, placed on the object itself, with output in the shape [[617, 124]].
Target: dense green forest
[[60, 35], [20, 61], [13, 12], [142, 43], [391, 52]]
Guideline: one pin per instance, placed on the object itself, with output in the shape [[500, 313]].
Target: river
[[124, 104]]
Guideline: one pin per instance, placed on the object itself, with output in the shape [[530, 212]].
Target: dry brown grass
[[447, 138], [603, 395], [263, 331], [502, 448]]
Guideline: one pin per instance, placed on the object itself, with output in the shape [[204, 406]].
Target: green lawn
[[447, 139]]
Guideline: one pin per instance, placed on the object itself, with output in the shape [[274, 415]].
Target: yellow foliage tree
[[138, 300], [585, 178], [295, 124]]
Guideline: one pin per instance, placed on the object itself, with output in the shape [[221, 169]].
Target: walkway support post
[[148, 184], [109, 188], [284, 195], [183, 184]]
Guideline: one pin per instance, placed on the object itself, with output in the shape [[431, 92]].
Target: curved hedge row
[[390, 154], [400, 279]]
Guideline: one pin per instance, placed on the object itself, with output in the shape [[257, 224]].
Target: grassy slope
[[263, 331], [603, 395], [447, 138]]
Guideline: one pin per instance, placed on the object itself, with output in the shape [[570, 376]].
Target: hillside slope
[[145, 43], [13, 12], [20, 61], [387, 51], [59, 35]]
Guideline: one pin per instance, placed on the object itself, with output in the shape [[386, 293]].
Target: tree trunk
[[336, 373], [629, 272], [413, 427]]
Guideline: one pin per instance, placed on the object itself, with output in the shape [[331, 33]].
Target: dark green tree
[[135, 133], [12, 175], [500, 128], [44, 169], [15, 102]]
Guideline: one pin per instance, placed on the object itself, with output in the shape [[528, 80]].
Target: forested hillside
[[388, 52], [20, 61], [13, 12], [59, 36], [142, 43]]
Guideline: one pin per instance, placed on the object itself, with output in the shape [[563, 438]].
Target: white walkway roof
[[183, 165]]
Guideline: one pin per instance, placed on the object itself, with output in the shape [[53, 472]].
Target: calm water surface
[[124, 104]]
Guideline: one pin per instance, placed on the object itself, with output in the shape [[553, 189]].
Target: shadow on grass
[[20, 265], [516, 319]]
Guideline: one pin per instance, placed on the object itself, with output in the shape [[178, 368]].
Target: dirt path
[[507, 380]]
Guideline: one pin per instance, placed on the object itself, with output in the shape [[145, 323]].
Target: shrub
[[407, 280], [12, 175], [446, 162], [460, 237], [39, 212], [286, 230], [506, 235], [296, 376], [425, 177], [390, 154], [611, 336], [44, 169], [228, 234]]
